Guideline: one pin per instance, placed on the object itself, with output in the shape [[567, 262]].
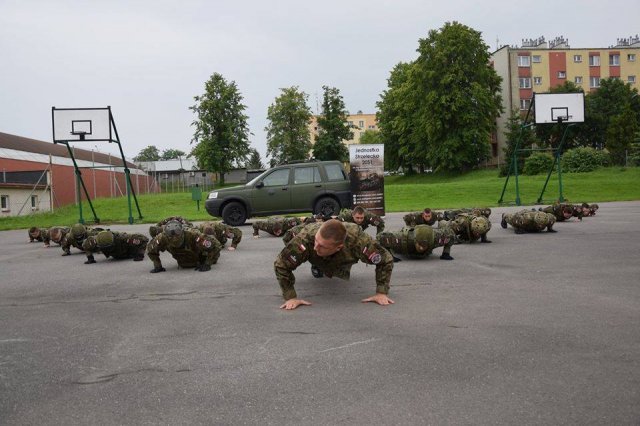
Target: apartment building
[[538, 65], [359, 123]]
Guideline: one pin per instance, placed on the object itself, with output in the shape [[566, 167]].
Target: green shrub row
[[575, 160]]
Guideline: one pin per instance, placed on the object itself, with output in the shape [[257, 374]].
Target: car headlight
[[213, 195]]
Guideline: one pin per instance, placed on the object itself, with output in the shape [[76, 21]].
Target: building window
[[578, 79], [350, 123], [524, 61], [371, 126], [577, 58], [631, 79], [594, 82], [537, 81], [361, 124], [524, 104], [536, 59], [614, 60], [525, 82], [631, 57], [4, 201], [594, 60], [34, 202], [562, 74]]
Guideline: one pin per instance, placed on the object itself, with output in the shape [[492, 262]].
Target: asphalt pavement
[[533, 329]]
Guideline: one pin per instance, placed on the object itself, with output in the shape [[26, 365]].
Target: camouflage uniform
[[275, 226], [221, 232], [195, 250], [38, 234], [470, 227], [57, 234], [76, 236], [452, 214], [346, 215], [118, 245], [358, 246], [158, 227], [418, 241], [529, 221], [415, 218], [558, 209]]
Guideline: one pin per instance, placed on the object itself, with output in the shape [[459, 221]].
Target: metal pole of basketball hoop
[[557, 159]]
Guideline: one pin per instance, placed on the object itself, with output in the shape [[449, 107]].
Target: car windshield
[[255, 179]]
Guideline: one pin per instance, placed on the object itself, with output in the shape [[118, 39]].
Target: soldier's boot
[[157, 269], [483, 239], [90, 260], [503, 222], [256, 232], [204, 268], [520, 231], [138, 257], [66, 253], [396, 259], [446, 256], [550, 229], [316, 272]]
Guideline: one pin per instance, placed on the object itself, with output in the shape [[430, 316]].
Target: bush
[[584, 160], [537, 163]]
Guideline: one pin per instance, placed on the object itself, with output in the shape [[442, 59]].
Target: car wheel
[[327, 206], [234, 214]]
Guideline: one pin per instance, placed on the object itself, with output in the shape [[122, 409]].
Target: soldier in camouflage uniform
[[157, 228], [291, 233], [562, 212], [529, 221], [418, 241], [587, 209], [222, 232], [188, 246], [275, 226], [76, 236], [362, 217], [56, 234], [452, 214], [332, 248], [37, 234], [425, 217], [118, 245], [470, 227]]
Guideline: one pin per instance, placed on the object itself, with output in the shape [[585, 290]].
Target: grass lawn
[[402, 193]]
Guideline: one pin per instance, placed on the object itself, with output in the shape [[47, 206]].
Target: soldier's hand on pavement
[[294, 303], [156, 270], [256, 236], [231, 248], [380, 299]]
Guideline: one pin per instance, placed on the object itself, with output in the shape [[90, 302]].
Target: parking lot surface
[[530, 329]]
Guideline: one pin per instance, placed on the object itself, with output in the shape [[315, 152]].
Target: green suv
[[321, 187]]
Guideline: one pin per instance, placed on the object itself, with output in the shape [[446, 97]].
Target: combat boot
[[503, 222], [316, 272]]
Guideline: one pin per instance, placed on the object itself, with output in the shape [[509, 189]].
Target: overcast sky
[[148, 59]]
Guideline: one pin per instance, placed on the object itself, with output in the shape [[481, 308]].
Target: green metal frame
[[80, 181]]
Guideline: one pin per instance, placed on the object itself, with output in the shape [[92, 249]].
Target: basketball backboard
[[558, 107], [81, 124]]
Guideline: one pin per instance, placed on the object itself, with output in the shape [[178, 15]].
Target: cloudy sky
[[148, 59]]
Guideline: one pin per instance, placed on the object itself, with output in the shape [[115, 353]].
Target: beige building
[[359, 124], [538, 65]]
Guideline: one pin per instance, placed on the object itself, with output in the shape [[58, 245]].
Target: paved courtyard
[[531, 329]]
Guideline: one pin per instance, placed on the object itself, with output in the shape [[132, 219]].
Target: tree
[[149, 153], [370, 137], [332, 128], [221, 130], [397, 118], [254, 160], [514, 133], [288, 136], [620, 135], [459, 97], [172, 154]]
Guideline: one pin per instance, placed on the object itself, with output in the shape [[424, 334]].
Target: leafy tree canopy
[[172, 154], [288, 136], [221, 134], [254, 162], [150, 153], [332, 128]]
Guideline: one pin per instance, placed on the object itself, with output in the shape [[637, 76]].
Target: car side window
[[306, 175], [334, 172], [277, 178]]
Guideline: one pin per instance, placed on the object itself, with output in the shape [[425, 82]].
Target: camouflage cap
[[479, 225], [104, 239], [78, 230]]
